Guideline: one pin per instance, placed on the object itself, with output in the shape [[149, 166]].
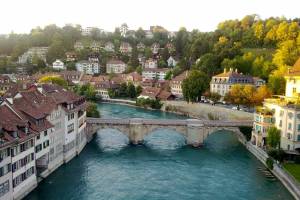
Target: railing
[[211, 123]]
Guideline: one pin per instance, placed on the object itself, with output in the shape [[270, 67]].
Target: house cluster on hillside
[[39, 52], [282, 112], [41, 127]]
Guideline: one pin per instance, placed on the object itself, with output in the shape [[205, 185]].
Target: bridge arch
[[234, 130], [178, 129]]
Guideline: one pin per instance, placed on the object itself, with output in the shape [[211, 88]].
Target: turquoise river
[[164, 168]]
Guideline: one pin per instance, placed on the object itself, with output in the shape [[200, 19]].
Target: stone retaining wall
[[286, 179], [205, 111]]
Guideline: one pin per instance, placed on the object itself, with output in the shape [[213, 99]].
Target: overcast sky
[[21, 16]]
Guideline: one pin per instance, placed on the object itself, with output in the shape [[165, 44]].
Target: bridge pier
[[195, 134], [136, 132]]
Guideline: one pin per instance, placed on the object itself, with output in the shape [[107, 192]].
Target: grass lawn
[[293, 169]]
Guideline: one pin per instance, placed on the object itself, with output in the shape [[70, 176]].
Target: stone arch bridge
[[195, 131]]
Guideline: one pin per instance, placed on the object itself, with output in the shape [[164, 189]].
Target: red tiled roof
[[115, 62]]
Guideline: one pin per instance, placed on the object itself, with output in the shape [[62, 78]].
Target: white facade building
[[116, 67], [171, 62], [58, 64], [285, 112], [151, 63], [88, 67], [223, 82], [154, 74]]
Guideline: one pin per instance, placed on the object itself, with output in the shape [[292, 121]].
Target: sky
[[20, 16]]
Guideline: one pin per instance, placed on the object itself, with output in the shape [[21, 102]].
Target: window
[[298, 129], [45, 133], [298, 138], [38, 137], [281, 113], [290, 126], [4, 188], [46, 144], [70, 116], [280, 123], [70, 128], [294, 90], [290, 115], [38, 148], [298, 116]]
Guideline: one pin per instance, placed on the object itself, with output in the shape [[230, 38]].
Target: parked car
[[234, 108]]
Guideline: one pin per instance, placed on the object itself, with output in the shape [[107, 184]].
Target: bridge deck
[[172, 122]]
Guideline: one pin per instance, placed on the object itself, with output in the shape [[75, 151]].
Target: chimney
[[230, 69], [289, 70], [224, 70], [236, 70]]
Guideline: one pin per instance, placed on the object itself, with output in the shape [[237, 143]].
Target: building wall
[[21, 186], [56, 139], [292, 87], [115, 68], [6, 189], [287, 120]]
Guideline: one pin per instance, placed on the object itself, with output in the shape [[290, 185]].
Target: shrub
[[153, 103], [92, 110], [277, 154], [269, 163]]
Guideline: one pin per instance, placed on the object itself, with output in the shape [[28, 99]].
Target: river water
[[162, 169]]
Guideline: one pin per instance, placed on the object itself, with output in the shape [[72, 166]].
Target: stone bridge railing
[[195, 131]]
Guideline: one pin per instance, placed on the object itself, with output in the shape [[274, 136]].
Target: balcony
[[290, 102]]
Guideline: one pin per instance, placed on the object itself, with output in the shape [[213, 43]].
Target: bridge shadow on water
[[112, 140]]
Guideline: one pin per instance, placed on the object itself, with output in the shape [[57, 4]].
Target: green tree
[[194, 85], [276, 84], [139, 90], [208, 63], [131, 92], [273, 138], [92, 110], [168, 75]]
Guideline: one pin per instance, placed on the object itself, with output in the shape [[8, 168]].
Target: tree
[[54, 80], [88, 91], [92, 110], [215, 97], [168, 75], [273, 138], [260, 94], [131, 92], [276, 84], [139, 69], [139, 90], [194, 85], [123, 90], [235, 95], [208, 63]]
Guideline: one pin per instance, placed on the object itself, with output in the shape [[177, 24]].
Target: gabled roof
[[295, 70]]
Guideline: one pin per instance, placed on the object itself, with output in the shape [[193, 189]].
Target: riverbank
[[286, 179], [205, 111], [193, 110]]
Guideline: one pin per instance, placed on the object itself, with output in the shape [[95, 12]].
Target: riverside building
[[40, 129], [283, 112]]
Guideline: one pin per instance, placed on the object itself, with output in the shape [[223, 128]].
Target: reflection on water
[[111, 140], [164, 139]]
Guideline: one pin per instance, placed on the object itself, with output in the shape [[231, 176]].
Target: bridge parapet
[[195, 131]]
